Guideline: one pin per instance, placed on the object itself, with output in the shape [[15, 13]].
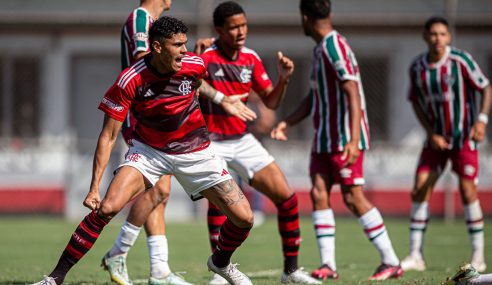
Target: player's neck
[[434, 57], [230, 53], [321, 29], [158, 67]]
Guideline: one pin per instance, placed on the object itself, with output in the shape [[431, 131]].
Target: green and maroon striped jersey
[[333, 63], [135, 36], [446, 93]]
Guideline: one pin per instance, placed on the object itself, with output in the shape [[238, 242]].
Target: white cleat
[[299, 277], [116, 266], [230, 273], [218, 280], [46, 281], [171, 279], [413, 263], [480, 266]]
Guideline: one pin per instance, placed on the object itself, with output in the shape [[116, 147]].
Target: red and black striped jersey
[[165, 106], [231, 77]]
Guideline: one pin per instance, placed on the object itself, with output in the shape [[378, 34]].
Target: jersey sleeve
[[337, 51], [261, 80], [474, 74], [138, 32], [117, 100]]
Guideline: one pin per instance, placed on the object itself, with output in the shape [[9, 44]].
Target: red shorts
[[464, 161], [332, 165]]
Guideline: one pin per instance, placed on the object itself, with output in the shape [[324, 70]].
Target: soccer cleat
[[480, 266], [47, 280], [324, 273], [386, 271], [171, 279], [218, 280], [116, 266], [413, 263], [298, 277], [465, 273], [230, 273]]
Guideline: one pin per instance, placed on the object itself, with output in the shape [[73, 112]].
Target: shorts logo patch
[[224, 172], [345, 173], [469, 170], [134, 157]]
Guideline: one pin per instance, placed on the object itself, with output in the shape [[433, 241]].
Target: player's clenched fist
[[285, 66], [92, 200]]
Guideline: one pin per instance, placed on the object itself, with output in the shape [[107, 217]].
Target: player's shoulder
[[193, 59], [250, 52], [418, 60], [211, 50], [459, 54], [131, 73]]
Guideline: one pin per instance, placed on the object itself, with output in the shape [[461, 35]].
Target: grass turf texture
[[30, 248]]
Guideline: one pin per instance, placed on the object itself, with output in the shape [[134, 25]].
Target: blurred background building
[[58, 57]]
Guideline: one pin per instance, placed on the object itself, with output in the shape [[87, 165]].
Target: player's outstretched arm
[[477, 132], [233, 105], [105, 144], [273, 96], [280, 131]]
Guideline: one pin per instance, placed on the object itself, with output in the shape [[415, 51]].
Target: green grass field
[[30, 247]]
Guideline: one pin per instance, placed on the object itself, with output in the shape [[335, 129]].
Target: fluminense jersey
[[446, 92], [333, 63], [165, 106], [231, 77], [135, 36]]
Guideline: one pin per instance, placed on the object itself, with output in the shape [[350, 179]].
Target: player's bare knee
[[107, 210]]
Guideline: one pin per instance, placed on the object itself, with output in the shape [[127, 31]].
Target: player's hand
[[477, 133], [202, 44], [351, 153], [280, 132], [438, 142], [234, 106], [92, 200], [285, 66]]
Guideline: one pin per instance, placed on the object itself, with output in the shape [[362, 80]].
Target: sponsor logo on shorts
[[345, 173], [112, 105], [134, 157], [469, 170], [224, 172]]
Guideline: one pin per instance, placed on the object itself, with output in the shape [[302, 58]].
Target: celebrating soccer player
[[336, 103], [170, 138], [444, 83]]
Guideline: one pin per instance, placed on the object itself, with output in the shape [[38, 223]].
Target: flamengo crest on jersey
[[446, 93], [135, 36], [333, 63], [165, 106], [231, 77]]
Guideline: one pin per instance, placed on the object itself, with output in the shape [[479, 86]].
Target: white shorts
[[195, 171], [245, 155]]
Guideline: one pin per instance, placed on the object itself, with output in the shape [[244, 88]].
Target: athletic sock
[[324, 228], [474, 222], [483, 279], [230, 238], [159, 256], [418, 225], [288, 226], [125, 240], [215, 219], [79, 244], [373, 225]]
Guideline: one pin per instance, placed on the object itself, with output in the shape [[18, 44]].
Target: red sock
[[288, 225], [80, 243], [231, 237], [215, 220]]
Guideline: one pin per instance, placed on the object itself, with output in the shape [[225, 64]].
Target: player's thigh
[[271, 181]]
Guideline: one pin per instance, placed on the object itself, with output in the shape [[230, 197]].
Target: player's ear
[[156, 45]]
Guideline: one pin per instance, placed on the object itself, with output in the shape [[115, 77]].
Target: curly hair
[[316, 9], [226, 10], [165, 27]]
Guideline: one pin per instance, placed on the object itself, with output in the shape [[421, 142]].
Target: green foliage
[[30, 247]]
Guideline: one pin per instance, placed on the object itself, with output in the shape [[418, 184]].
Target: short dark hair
[[435, 20], [165, 27], [226, 10], [316, 9]]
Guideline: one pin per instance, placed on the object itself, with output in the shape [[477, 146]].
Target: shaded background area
[[57, 58]]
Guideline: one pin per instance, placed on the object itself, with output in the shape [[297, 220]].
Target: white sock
[[159, 254], [373, 225], [419, 219], [483, 279], [125, 240], [324, 228], [474, 222]]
